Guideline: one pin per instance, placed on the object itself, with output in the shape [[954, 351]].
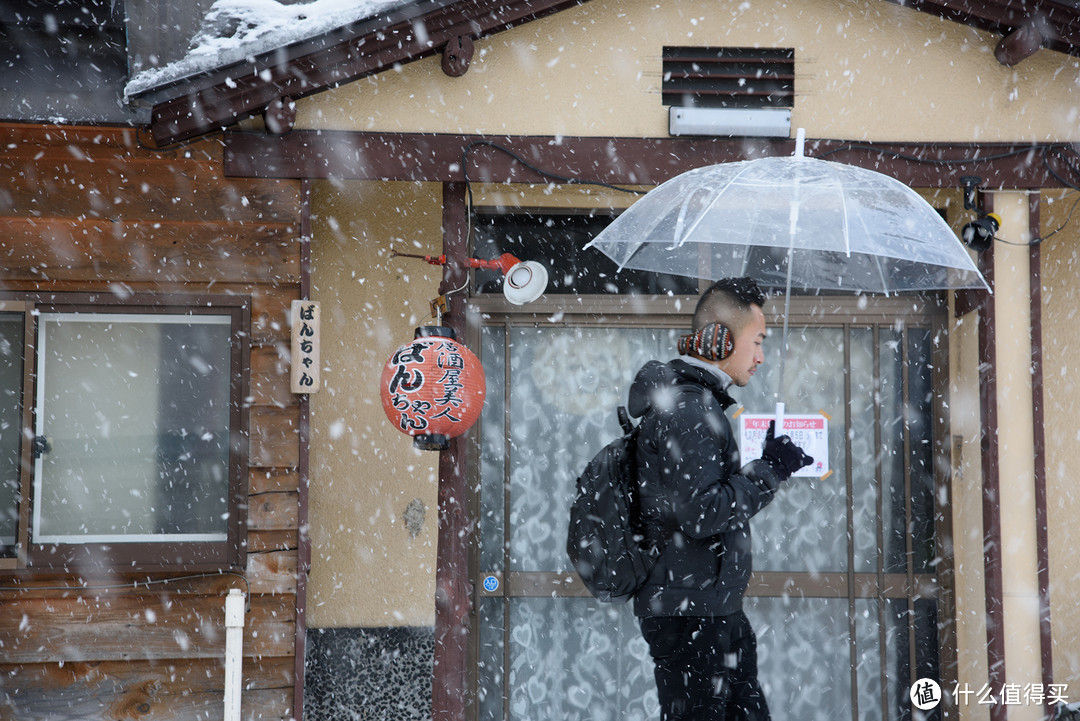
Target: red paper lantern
[[433, 388]]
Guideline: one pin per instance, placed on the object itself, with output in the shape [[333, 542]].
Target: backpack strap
[[660, 545]]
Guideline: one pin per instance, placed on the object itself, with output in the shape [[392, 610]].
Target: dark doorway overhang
[[623, 161]]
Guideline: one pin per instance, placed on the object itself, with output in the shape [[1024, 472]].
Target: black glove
[[782, 453]]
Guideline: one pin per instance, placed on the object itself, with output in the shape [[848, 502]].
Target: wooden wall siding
[[90, 209]]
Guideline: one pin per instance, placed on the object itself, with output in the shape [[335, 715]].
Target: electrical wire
[[929, 161], [1059, 152], [1044, 152], [1039, 240], [546, 173], [133, 584]]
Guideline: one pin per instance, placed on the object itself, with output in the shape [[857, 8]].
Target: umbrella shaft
[[784, 334]]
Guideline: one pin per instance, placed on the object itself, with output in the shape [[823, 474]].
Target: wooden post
[[303, 552], [452, 597]]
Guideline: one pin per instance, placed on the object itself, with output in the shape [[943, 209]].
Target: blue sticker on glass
[[491, 584]]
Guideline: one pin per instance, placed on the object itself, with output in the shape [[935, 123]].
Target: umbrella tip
[[800, 141]]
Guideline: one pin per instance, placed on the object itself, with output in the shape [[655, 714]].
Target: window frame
[[135, 556]]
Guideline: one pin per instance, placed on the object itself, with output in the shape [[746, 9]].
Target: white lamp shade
[[525, 282]]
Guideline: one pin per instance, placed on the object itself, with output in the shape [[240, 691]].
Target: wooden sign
[[305, 346]]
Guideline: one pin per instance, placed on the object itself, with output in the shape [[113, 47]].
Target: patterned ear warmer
[[713, 342]]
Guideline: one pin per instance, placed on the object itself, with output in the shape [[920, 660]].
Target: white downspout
[[234, 648]]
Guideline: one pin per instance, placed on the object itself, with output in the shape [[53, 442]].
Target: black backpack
[[605, 540]]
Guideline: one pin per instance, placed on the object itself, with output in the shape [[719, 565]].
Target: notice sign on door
[[809, 432]]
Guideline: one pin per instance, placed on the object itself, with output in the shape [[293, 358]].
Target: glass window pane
[[578, 659], [566, 384], [11, 374], [135, 409], [804, 656], [905, 628], [491, 645], [492, 451], [563, 383], [805, 527], [921, 435], [864, 449], [891, 407], [557, 242], [868, 659], [927, 656]]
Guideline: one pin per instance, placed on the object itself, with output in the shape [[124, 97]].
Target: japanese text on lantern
[[305, 346], [445, 388]]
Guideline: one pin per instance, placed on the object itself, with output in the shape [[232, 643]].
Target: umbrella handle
[[779, 419]]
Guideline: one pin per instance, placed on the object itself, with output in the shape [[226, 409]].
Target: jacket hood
[[658, 384]]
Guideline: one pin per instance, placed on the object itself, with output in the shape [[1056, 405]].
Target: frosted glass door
[[836, 566]]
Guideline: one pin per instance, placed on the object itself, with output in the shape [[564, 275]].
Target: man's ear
[[714, 342]]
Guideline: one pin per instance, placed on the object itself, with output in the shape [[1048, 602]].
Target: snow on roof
[[237, 30]]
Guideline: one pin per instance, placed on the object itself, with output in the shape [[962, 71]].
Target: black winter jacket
[[696, 499]]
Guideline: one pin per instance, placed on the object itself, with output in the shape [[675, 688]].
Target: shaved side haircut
[[728, 301]]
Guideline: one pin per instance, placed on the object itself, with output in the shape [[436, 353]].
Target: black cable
[[1037, 241], [1045, 153], [1068, 163], [133, 584], [1057, 149], [1050, 169], [546, 173], [928, 161]]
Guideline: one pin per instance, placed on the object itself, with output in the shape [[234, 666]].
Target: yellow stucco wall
[[865, 70], [1015, 448], [370, 567], [1061, 349], [966, 505]]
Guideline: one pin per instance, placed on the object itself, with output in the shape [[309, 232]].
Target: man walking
[[696, 503]]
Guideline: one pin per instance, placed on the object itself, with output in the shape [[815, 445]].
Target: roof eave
[[196, 106], [1059, 22], [226, 74]]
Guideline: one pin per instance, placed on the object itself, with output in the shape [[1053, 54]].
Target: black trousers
[[706, 668]]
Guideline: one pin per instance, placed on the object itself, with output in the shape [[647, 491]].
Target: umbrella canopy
[[792, 222]]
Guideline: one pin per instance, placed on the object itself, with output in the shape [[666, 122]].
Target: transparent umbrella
[[792, 222]]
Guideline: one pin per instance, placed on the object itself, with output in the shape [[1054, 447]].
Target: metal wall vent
[[709, 77]]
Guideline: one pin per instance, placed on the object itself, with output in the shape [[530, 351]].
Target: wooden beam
[[1023, 42], [1038, 396], [1004, 17], [622, 161], [453, 604], [457, 56], [991, 497], [121, 627], [162, 690], [303, 560]]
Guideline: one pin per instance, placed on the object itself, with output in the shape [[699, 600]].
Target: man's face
[[748, 352]]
